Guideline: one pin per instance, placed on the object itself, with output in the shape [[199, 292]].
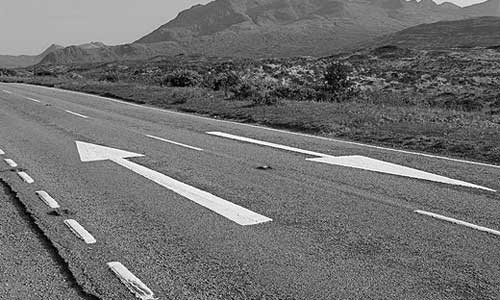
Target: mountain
[[263, 28], [21, 61], [474, 32], [298, 27]]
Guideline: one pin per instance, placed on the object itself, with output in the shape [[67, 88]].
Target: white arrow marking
[[134, 284], [1, 152], [242, 216], [359, 162]]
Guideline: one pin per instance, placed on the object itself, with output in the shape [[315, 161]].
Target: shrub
[[259, 92], [223, 81], [110, 77], [182, 78], [338, 87]]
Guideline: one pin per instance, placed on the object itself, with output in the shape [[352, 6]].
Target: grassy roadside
[[468, 135]]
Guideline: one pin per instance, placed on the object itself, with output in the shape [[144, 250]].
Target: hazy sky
[[29, 26]]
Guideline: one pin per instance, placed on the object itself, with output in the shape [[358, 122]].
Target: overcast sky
[[29, 26]]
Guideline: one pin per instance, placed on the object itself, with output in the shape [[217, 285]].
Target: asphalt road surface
[[142, 203]]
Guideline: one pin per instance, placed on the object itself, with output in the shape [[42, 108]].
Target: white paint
[[76, 114], [10, 162], [1, 152], [24, 176], [79, 231], [134, 284], [31, 99], [359, 162], [7, 92], [47, 199], [231, 211], [458, 222], [270, 129], [369, 164], [175, 143]]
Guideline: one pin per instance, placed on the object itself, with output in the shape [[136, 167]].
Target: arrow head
[[92, 152]]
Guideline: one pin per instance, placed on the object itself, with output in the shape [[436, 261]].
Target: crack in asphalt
[[27, 216]]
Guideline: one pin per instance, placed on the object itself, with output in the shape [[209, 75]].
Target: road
[[165, 205]]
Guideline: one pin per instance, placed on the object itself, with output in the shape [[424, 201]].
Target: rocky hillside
[[275, 28], [474, 32], [299, 27], [21, 61]]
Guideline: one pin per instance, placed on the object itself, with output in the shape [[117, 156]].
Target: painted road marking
[[10, 162], [31, 99], [76, 114], [359, 162], [79, 231], [175, 143], [271, 129], [47, 199], [134, 284], [24, 176], [458, 222], [1, 152], [7, 92], [240, 215]]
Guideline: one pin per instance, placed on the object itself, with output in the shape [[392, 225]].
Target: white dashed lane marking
[[31, 99], [134, 284], [47, 199], [76, 114], [458, 222], [6, 92], [175, 143], [10, 162], [79, 231], [1, 152], [24, 176]]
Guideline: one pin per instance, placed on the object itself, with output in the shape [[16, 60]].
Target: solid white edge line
[[458, 222], [76, 114], [10, 162], [79, 231], [24, 176], [271, 129], [1, 152], [47, 199], [175, 143], [134, 284]]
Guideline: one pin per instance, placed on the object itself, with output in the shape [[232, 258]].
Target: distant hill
[[474, 32], [264, 28], [21, 61]]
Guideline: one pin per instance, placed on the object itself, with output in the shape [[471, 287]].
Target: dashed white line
[[76, 114], [175, 143], [458, 222], [273, 129], [1, 152], [24, 176], [47, 199], [79, 231], [6, 92], [31, 99], [134, 284], [10, 162]]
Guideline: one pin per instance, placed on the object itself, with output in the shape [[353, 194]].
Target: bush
[[110, 77], [223, 81], [259, 92], [182, 78], [338, 86]]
